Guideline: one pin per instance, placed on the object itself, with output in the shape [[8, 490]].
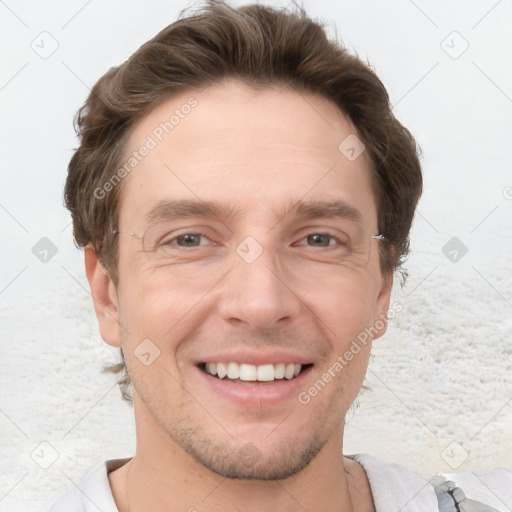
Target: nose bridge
[[256, 292]]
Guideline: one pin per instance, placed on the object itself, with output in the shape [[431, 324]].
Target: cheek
[[162, 307], [346, 306], [153, 322], [347, 316], [156, 293]]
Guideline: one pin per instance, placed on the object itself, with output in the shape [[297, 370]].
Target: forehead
[[253, 149]]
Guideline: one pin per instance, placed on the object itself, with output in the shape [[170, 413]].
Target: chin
[[247, 462]]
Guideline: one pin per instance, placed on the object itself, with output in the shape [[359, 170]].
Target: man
[[244, 195]]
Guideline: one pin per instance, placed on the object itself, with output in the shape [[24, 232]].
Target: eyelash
[[174, 239]]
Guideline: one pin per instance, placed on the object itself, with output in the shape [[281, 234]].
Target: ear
[[382, 305], [104, 297]]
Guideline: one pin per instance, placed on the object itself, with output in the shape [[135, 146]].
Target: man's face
[[263, 281]]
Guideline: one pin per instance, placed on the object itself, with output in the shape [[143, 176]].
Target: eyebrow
[[165, 210], [325, 210]]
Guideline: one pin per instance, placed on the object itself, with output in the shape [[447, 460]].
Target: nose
[[257, 294]]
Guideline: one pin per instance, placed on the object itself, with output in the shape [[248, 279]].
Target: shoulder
[[395, 487], [91, 494], [493, 488]]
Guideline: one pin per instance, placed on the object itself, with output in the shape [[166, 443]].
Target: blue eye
[[323, 240], [320, 240], [188, 240]]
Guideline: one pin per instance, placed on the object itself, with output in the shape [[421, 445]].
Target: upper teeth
[[264, 372]]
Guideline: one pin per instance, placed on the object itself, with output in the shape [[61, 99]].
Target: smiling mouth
[[253, 373]]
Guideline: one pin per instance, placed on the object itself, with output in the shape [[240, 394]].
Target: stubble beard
[[240, 459]]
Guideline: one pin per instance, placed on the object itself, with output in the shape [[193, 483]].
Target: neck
[[162, 477]]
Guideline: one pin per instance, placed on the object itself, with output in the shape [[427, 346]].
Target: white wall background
[[441, 377]]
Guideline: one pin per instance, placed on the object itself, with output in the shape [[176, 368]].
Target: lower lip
[[249, 393]]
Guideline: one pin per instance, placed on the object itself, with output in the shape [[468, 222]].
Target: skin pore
[[286, 292]]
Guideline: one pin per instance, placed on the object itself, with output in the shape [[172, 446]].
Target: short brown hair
[[261, 46]]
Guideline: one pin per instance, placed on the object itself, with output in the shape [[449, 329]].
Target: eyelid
[[338, 240], [341, 236], [172, 237], [173, 232]]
